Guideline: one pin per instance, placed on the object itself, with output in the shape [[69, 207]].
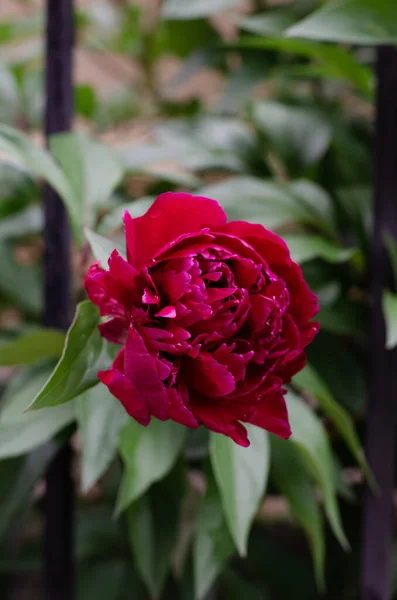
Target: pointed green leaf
[[291, 477], [153, 525], [241, 475], [84, 354], [180, 9], [100, 417], [361, 22], [18, 478], [32, 346], [21, 432], [298, 135], [17, 148], [310, 438], [213, 544], [389, 303], [148, 453], [93, 170], [309, 381]]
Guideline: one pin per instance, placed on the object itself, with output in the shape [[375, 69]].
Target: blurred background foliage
[[267, 106]]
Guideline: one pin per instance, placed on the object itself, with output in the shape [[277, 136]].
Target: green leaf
[[182, 38], [18, 149], [102, 247], [292, 479], [21, 432], [10, 101], [148, 453], [16, 278], [389, 303], [308, 247], [344, 318], [100, 418], [85, 101], [361, 22], [309, 381], [330, 61], [25, 222], [337, 365], [268, 203], [93, 171], [153, 525], [213, 544], [32, 346], [18, 477], [84, 354], [114, 220], [180, 9], [198, 144], [298, 135], [268, 23], [241, 475], [310, 438], [318, 203]]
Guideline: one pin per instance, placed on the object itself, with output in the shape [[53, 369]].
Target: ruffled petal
[[123, 389], [170, 216], [271, 414], [141, 369], [208, 377], [216, 417]]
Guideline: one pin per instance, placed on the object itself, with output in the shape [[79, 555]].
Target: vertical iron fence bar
[[58, 536], [381, 429]]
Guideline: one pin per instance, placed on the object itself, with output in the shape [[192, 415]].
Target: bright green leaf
[[241, 475], [32, 346], [93, 171], [153, 525], [148, 454], [180, 9], [389, 303], [354, 21], [17, 149], [310, 438], [100, 418], [213, 544], [85, 353], [291, 477], [21, 432]]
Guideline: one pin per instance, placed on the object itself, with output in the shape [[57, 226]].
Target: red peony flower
[[212, 318]]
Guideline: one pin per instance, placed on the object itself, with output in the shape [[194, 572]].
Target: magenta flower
[[212, 318]]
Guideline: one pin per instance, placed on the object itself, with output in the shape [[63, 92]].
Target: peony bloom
[[212, 318]]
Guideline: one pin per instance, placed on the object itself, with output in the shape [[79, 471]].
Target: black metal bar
[[58, 533], [381, 417]]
